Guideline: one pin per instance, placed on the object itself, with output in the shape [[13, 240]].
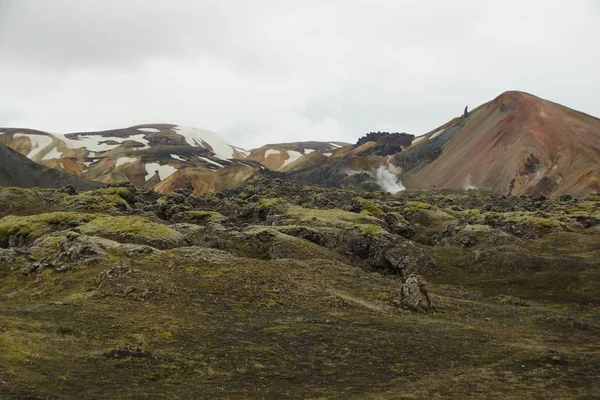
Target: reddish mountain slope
[[517, 143]]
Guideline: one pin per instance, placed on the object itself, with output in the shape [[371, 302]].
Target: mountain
[[517, 143], [296, 155], [162, 156], [18, 170]]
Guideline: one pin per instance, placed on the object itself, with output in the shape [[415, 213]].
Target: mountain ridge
[[516, 143]]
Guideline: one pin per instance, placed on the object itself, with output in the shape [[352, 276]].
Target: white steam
[[468, 185], [388, 181]]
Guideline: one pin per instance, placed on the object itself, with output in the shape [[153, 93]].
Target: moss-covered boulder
[[17, 231], [133, 229]]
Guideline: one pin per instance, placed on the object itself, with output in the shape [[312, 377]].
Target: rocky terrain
[[276, 289]]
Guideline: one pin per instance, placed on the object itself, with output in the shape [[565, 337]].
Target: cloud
[[276, 71]]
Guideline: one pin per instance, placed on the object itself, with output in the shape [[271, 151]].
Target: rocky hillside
[[18, 170], [163, 156], [516, 143], [270, 291]]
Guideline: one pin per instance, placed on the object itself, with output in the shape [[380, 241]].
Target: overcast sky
[[264, 71]]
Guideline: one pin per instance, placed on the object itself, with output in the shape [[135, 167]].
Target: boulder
[[414, 295]]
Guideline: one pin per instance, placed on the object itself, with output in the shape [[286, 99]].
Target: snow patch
[[417, 140], [437, 133], [271, 152], [164, 171], [149, 130], [292, 156], [389, 181], [222, 159], [93, 142], [38, 142], [335, 145], [308, 151], [211, 161], [176, 157], [125, 160], [52, 154], [194, 137], [327, 154]]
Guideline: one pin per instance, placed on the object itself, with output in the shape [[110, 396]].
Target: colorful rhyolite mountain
[[517, 143], [146, 155], [514, 144]]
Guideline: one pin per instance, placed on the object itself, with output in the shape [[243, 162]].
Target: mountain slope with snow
[[143, 154]]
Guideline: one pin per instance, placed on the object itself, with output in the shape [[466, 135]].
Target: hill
[[18, 170], [517, 143]]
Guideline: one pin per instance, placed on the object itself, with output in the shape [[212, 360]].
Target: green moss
[[108, 199], [370, 229], [427, 214], [418, 206], [522, 217], [132, 229], [28, 228], [370, 208], [334, 218], [264, 204], [199, 217]]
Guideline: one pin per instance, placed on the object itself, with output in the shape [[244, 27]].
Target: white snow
[[437, 133], [417, 140], [327, 154], [88, 163], [38, 142], [211, 161], [195, 137], [176, 157], [221, 158], [337, 146], [308, 151], [292, 156], [92, 142], [52, 154], [271, 152], [125, 160], [149, 130], [164, 171], [244, 152]]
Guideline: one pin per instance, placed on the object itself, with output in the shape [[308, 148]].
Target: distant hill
[[18, 170]]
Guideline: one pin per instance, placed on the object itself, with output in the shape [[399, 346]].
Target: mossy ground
[[301, 321]]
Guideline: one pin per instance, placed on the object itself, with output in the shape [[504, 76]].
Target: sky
[[272, 71]]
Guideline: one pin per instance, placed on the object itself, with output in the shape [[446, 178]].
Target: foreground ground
[[281, 291]]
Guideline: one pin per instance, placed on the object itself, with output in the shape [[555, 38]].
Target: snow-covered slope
[[143, 154]]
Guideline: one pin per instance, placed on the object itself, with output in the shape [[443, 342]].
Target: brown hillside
[[517, 143]]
